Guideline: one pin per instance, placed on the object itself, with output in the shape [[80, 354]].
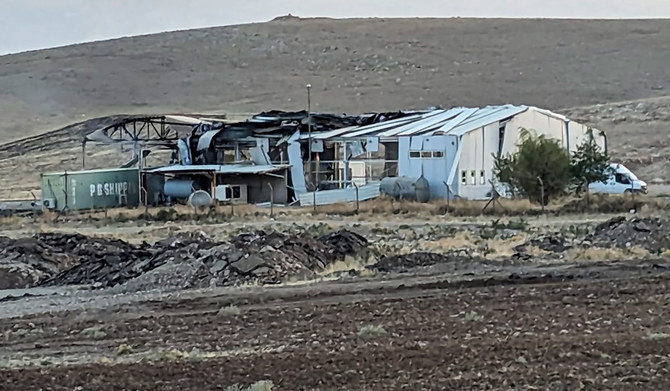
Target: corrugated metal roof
[[486, 116], [456, 121], [222, 169]]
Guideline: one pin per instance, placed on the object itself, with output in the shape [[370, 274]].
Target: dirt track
[[568, 331]]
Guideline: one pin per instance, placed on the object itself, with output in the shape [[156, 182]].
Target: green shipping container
[[93, 189]]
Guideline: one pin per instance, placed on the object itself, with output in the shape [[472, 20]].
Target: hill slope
[[354, 65]]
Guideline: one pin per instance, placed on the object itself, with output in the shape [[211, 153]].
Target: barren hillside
[[354, 65]]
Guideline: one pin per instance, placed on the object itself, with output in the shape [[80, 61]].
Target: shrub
[[589, 164], [371, 331], [539, 170], [230, 311]]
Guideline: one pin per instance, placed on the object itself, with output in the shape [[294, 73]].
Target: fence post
[[314, 198], [448, 195], [541, 193], [272, 200], [356, 186]]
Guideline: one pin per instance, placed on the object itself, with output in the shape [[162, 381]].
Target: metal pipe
[[272, 200], [83, 154], [309, 130], [567, 134], [345, 176], [602, 133], [357, 198]]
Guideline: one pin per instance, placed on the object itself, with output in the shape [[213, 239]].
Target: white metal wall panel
[[328, 197]]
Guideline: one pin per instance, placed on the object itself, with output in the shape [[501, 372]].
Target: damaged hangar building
[[306, 158]]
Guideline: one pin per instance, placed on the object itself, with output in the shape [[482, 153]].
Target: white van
[[621, 180]]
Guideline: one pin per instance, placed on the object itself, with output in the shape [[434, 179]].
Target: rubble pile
[[553, 243], [30, 261], [650, 233], [194, 260], [455, 260]]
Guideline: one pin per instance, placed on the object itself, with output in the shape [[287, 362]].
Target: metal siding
[[92, 190], [403, 156], [491, 138], [327, 197]]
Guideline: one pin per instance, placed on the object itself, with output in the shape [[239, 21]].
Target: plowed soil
[[595, 326]]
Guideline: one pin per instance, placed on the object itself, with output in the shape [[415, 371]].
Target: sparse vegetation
[[95, 332], [371, 332], [263, 385], [472, 316], [229, 311], [656, 336], [124, 349]]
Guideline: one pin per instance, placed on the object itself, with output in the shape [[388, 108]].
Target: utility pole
[[309, 130]]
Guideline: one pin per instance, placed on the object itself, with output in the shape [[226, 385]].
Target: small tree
[[539, 170], [589, 164]]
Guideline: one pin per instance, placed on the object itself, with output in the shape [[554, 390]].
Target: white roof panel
[[486, 116], [221, 169]]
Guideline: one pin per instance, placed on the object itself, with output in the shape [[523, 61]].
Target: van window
[[623, 179]]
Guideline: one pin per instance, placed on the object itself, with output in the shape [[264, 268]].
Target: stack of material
[[194, 260], [652, 234], [27, 262]]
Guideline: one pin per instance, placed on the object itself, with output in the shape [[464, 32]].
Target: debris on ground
[[553, 243], [456, 259], [650, 233], [29, 261], [193, 260]]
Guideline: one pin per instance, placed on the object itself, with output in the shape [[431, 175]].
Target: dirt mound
[[194, 260], [650, 233], [30, 261]]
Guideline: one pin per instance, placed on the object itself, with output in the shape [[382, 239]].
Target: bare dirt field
[[548, 333], [570, 302]]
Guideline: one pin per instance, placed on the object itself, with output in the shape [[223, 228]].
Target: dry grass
[[603, 254], [387, 207], [349, 263]]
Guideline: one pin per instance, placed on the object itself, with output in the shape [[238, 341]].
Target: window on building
[[482, 177], [414, 154], [473, 177], [464, 177], [438, 154], [501, 138], [426, 154], [233, 192]]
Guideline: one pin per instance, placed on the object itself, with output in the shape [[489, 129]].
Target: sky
[[37, 24]]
